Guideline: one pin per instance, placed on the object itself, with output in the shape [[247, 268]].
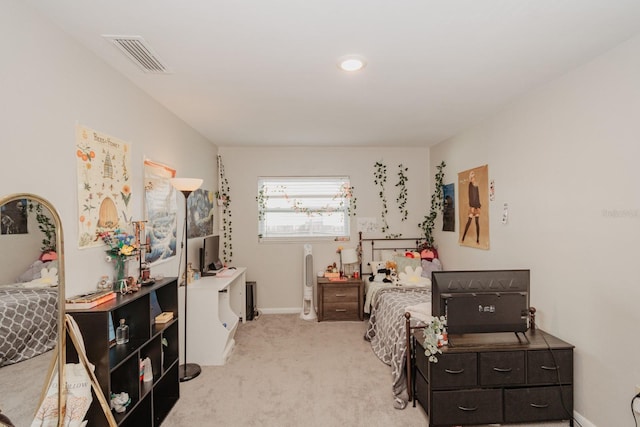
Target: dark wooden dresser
[[495, 378], [340, 300]]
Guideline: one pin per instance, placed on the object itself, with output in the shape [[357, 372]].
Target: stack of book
[[89, 300]]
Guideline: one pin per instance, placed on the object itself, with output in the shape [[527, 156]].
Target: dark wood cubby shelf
[[117, 367]]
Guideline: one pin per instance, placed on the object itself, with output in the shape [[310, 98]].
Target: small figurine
[[532, 318]]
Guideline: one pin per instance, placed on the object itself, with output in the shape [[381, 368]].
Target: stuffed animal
[[391, 265], [429, 254], [412, 254], [383, 275]]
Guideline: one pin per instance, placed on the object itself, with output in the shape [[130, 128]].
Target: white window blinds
[[303, 207]]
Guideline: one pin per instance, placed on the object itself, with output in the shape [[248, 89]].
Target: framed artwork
[[473, 203], [161, 212], [448, 207], [200, 208], [13, 217]]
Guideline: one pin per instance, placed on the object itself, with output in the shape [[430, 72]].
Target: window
[[293, 208]]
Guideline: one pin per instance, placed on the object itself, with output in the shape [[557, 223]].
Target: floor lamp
[[186, 186]]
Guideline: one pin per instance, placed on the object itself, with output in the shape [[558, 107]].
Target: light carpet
[[285, 371], [21, 385]]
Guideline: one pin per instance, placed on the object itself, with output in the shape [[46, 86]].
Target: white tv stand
[[215, 307]]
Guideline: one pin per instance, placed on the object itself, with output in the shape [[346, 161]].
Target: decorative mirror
[[32, 294]]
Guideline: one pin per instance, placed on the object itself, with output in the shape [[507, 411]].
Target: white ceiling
[[263, 72]]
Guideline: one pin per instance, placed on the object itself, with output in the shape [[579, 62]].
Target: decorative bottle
[[445, 336], [122, 333]]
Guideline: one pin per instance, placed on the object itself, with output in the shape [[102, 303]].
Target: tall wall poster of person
[[160, 212], [473, 206], [104, 189], [200, 208]]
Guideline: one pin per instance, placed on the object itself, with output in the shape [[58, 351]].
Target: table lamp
[[349, 258]]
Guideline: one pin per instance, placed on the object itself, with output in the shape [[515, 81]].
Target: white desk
[[215, 306]]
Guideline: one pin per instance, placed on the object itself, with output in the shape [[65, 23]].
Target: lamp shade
[[349, 256], [186, 184]]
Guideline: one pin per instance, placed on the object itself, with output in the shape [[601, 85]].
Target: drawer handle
[[341, 295], [463, 408], [341, 309], [550, 368], [502, 369], [451, 371], [536, 405]]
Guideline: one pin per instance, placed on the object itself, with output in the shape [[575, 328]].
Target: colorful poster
[[200, 208], [473, 203], [160, 212], [104, 189]]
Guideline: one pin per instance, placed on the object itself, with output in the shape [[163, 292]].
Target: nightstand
[[340, 300]]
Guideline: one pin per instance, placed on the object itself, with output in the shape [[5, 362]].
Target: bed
[[388, 301], [28, 324], [387, 335]]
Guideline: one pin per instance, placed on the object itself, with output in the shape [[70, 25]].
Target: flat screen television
[[482, 301], [209, 256]]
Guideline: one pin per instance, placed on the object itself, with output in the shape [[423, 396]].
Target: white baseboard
[[282, 310], [582, 420]]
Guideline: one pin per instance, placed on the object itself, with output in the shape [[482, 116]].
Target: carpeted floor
[[20, 388], [286, 371], [283, 372]]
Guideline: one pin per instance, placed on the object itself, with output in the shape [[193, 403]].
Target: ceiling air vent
[[137, 50]]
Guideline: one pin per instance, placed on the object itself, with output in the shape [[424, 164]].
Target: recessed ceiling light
[[351, 63]]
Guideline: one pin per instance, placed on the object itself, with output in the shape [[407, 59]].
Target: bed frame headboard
[[369, 247]]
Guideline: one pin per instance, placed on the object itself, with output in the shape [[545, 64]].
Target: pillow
[[388, 255], [403, 261], [33, 272], [411, 277], [429, 266]]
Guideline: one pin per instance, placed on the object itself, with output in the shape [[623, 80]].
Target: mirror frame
[[60, 358]]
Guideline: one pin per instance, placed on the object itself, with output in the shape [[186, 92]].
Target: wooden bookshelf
[[117, 367]]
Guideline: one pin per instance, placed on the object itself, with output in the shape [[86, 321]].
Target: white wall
[[565, 159], [49, 84], [277, 267]]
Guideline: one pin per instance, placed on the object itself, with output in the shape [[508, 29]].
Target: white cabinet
[[214, 308]]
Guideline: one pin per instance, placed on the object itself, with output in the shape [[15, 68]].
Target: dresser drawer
[[422, 391], [341, 311], [502, 367], [466, 407], [454, 370], [422, 361], [340, 294], [544, 367], [538, 404]]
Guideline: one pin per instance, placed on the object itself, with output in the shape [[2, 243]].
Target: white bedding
[[371, 289]]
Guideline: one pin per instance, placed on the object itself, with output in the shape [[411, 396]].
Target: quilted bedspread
[[386, 332], [28, 323]]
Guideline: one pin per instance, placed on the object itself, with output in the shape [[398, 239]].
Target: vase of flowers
[[121, 269], [122, 248]]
